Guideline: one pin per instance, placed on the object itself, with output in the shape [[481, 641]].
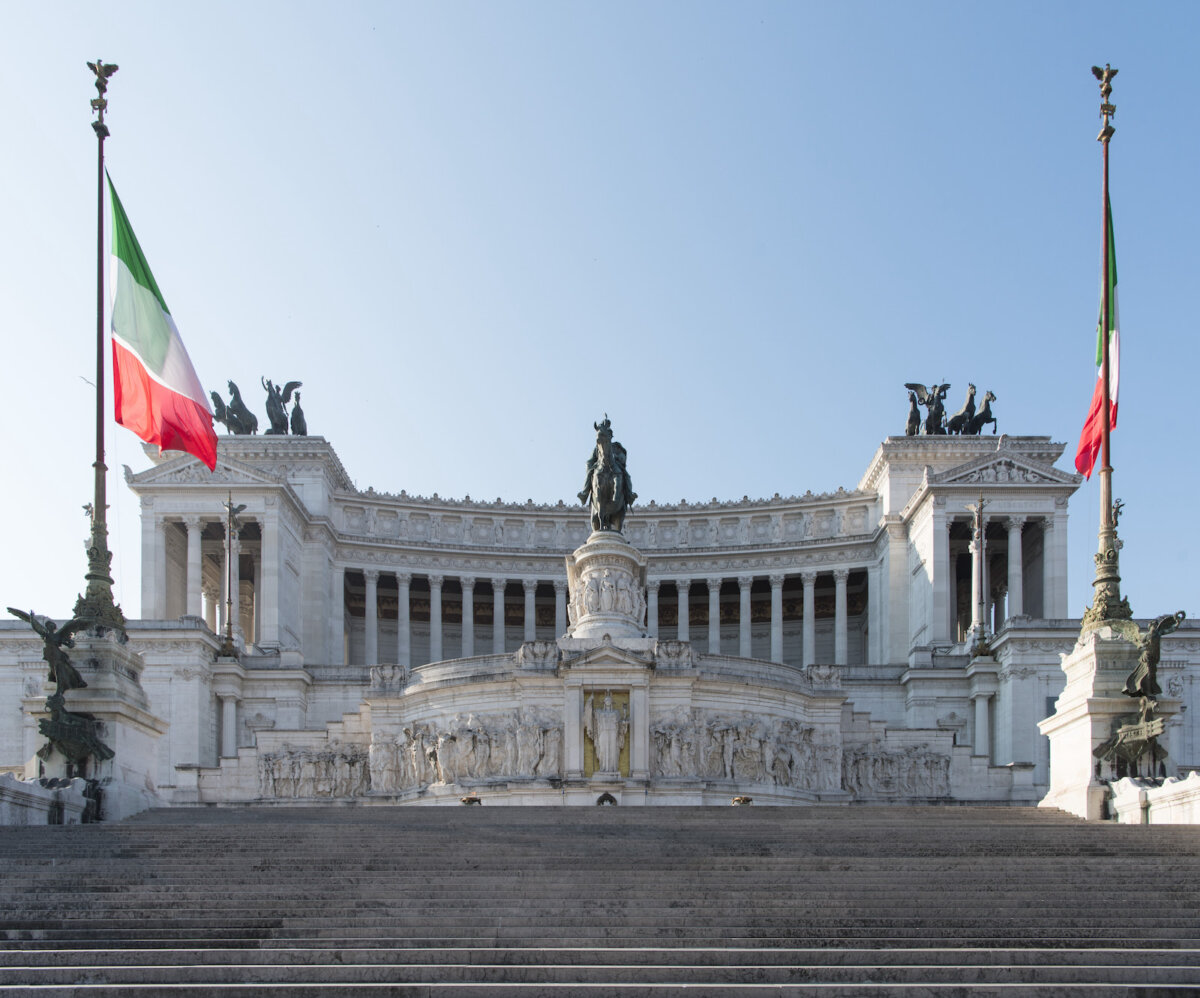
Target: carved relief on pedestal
[[744, 747], [512, 745], [607, 581], [335, 770], [913, 771]]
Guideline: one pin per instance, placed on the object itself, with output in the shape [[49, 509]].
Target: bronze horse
[[608, 485]]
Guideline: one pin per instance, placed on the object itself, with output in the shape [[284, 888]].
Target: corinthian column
[[840, 575], [435, 618], [744, 584], [714, 616], [777, 618], [681, 586], [498, 615], [403, 619], [468, 615], [194, 565], [809, 647], [652, 607], [1016, 596], [530, 587], [371, 625]]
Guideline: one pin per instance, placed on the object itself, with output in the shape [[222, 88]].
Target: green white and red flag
[[155, 389], [1093, 427]]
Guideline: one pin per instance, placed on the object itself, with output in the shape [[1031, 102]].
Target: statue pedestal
[[607, 580], [1085, 715], [115, 699]]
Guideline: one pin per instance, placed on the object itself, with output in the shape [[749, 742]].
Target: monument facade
[[398, 649]]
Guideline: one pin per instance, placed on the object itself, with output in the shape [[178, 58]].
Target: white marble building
[[402, 649]]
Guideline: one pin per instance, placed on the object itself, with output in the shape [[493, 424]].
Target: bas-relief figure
[[516, 744], [698, 744], [608, 486], [335, 770], [916, 771]]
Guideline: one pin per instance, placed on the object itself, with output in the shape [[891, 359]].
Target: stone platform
[[614, 901]]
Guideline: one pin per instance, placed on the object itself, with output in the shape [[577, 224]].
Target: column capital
[[1048, 523], [466, 581], [1016, 522], [403, 578], [192, 522], [560, 586], [683, 585], [371, 575], [777, 580], [745, 581], [499, 583], [714, 583], [652, 585], [809, 577], [435, 581], [530, 586], [840, 575]]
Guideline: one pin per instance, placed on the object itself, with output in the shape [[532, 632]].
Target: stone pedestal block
[[607, 580], [115, 698], [1086, 714]]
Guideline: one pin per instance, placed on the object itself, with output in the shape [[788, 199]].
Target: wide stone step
[[675, 974], [626, 956]]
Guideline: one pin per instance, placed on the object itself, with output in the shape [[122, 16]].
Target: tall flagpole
[[97, 605], [1108, 604]]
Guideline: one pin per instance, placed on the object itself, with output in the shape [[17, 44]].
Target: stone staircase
[[606, 901]]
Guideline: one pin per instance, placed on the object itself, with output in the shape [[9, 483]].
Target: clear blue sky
[[738, 228]]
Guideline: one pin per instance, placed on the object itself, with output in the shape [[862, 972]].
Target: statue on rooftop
[[277, 400], [959, 422], [236, 416], [933, 399], [608, 486]]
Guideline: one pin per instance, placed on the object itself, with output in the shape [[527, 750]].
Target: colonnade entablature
[[341, 575]]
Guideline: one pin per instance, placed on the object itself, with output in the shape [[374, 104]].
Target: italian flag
[[1089, 439], [156, 392]]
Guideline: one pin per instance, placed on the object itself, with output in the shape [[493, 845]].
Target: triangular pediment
[[609, 656], [186, 470], [1003, 469]]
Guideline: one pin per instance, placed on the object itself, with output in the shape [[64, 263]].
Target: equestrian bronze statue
[[608, 486]]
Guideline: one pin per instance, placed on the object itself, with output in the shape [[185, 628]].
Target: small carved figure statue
[[1143, 681], [1116, 511], [608, 485], [277, 400]]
